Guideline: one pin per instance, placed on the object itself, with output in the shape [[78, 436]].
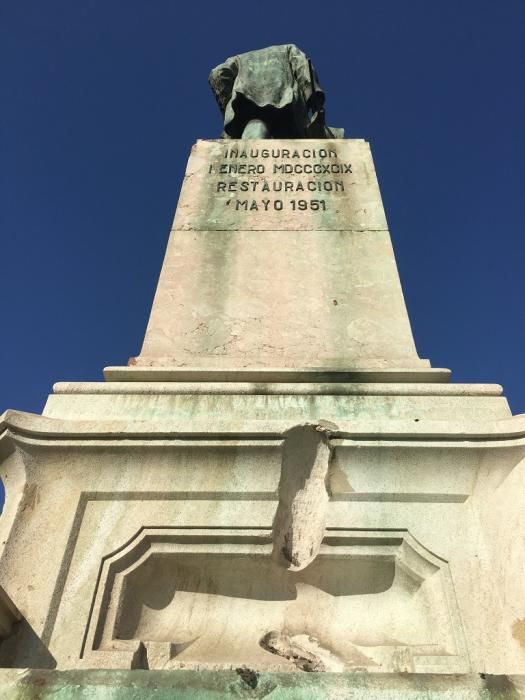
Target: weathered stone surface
[[281, 185], [273, 287], [149, 485], [265, 375], [300, 519], [280, 485], [246, 683], [288, 403]]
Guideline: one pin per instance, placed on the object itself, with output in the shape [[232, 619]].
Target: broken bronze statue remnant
[[271, 93]]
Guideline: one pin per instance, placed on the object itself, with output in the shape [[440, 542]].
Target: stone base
[[243, 683], [165, 507]]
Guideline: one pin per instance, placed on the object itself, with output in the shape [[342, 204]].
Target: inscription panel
[[277, 185]]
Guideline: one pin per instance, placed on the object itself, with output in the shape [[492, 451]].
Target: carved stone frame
[[101, 650]]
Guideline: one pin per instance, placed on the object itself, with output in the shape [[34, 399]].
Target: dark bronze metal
[[271, 93]]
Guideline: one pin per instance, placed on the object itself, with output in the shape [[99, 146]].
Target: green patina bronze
[[271, 93], [244, 683]]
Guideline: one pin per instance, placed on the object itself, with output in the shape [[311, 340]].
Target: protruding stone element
[[304, 651], [300, 519]]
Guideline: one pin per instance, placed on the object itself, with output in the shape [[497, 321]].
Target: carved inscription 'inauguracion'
[[280, 185], [314, 174]]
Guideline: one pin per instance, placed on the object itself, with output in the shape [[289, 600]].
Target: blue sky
[[102, 100]]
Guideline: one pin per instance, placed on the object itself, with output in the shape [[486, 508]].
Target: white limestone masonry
[[259, 273], [277, 482]]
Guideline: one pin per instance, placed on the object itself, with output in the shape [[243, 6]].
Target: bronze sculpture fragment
[[271, 93]]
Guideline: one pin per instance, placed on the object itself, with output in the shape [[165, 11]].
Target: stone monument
[[277, 484]]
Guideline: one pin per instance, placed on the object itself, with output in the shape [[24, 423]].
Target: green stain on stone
[[244, 683]]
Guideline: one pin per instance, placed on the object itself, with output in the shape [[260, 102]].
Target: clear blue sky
[[102, 100]]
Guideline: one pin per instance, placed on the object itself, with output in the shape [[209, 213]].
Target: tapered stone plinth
[[280, 257]]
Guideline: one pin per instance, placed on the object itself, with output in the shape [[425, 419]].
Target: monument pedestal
[[278, 483], [280, 257]]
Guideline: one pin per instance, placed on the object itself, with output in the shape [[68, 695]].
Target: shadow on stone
[[24, 649], [250, 677]]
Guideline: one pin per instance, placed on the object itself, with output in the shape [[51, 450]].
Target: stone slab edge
[[278, 388], [20, 684], [33, 425], [169, 374]]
